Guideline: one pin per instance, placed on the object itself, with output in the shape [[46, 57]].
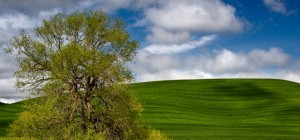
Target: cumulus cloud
[[292, 75], [161, 36], [149, 63], [276, 6], [10, 23], [216, 64], [273, 57], [33, 7], [179, 19], [107, 5], [7, 66], [5, 36], [111, 6], [6, 86], [169, 21], [15, 21], [169, 49], [8, 91], [195, 15], [225, 61], [175, 21]]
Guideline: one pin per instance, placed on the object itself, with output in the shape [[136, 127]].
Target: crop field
[[218, 109]]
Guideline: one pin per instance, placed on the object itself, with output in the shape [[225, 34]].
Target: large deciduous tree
[[76, 63]]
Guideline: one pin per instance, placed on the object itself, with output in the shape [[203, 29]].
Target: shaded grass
[[8, 113], [218, 109]]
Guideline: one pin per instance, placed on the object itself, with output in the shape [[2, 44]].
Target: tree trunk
[[90, 111], [85, 115]]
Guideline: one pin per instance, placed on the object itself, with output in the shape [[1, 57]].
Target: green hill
[[214, 109], [222, 109], [8, 113]]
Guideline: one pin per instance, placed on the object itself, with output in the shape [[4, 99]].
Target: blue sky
[[180, 39], [267, 28]]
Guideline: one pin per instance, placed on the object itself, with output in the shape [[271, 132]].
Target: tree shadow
[[2, 104], [246, 95], [244, 90], [277, 107]]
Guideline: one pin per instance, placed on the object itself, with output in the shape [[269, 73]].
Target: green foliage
[[77, 64], [156, 135], [40, 120]]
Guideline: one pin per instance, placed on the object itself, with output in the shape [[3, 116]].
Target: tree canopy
[[77, 64]]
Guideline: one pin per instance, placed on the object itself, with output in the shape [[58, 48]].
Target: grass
[[222, 109], [8, 113], [213, 109]]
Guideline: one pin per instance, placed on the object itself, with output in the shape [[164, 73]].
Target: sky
[[179, 39]]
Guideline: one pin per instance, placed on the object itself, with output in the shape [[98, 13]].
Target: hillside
[[222, 109], [214, 109], [8, 113]]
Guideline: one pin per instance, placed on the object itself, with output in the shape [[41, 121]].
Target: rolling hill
[[222, 109], [8, 113], [213, 109]]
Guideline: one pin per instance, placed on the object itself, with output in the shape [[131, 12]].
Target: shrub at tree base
[[77, 65]]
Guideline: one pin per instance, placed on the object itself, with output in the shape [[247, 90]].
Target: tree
[[76, 63]]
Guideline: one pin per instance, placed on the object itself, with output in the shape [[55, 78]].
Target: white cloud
[[292, 75], [8, 93], [174, 74], [106, 5], [10, 23], [152, 63], [226, 61], [175, 21], [182, 18], [217, 64], [33, 7], [7, 86], [273, 57], [172, 49], [195, 15], [16, 21], [111, 6], [7, 66], [7, 89], [5, 36], [46, 14], [276, 6], [10, 100], [161, 36]]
